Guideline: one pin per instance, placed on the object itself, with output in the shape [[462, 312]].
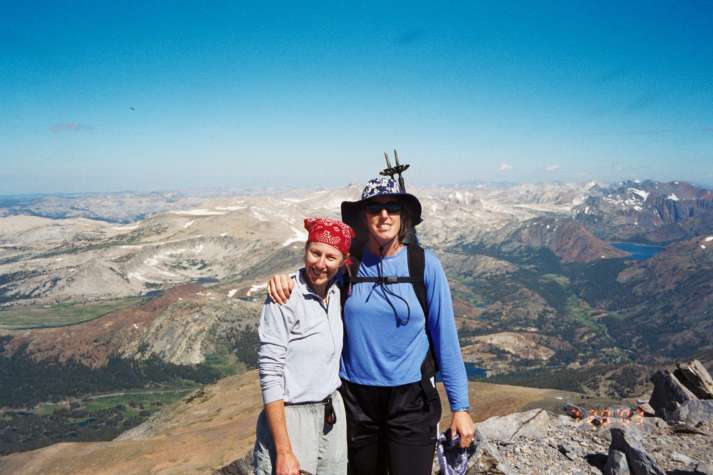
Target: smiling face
[[322, 262], [383, 226]]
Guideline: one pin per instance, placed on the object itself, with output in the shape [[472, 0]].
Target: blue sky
[[106, 96]]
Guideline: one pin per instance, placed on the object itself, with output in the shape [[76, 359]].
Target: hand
[[279, 288], [287, 464], [462, 424]]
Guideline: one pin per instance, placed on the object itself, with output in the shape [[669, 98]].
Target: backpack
[[416, 267]]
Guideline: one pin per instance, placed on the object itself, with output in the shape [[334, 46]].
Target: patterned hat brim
[[351, 210]]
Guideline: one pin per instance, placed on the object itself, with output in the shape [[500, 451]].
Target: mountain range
[[544, 292]]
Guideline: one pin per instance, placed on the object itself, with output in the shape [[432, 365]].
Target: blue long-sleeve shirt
[[385, 342]]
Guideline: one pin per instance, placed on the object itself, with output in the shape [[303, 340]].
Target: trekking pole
[[395, 170]]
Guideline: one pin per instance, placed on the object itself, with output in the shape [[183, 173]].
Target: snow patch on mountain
[[230, 208], [137, 276], [643, 194], [255, 288], [199, 212], [298, 236]]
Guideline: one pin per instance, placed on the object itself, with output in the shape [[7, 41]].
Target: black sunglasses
[[391, 207]]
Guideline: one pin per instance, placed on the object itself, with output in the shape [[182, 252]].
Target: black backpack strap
[[416, 268], [389, 279]]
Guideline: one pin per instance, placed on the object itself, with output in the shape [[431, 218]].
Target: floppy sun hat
[[382, 186]]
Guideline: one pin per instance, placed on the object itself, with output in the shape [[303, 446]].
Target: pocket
[[428, 389]]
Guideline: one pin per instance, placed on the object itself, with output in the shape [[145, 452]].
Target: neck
[[388, 248], [320, 290]]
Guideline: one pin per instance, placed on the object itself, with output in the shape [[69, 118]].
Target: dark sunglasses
[[392, 207]]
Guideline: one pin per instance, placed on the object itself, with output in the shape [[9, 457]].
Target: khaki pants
[[320, 449]]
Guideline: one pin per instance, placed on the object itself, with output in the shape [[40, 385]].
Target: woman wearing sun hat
[[303, 425], [392, 415]]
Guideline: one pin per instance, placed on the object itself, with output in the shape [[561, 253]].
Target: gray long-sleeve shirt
[[300, 345]]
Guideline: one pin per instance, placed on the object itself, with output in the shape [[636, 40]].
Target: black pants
[[391, 429]]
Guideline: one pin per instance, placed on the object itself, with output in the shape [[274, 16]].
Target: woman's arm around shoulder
[[279, 288]]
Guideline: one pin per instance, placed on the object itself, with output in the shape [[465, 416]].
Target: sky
[[176, 95]]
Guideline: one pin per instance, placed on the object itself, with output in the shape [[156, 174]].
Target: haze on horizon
[[98, 96]]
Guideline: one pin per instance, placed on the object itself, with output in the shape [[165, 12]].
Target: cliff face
[[653, 211], [566, 238], [180, 327]]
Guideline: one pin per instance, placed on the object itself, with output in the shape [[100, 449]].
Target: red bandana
[[330, 231]]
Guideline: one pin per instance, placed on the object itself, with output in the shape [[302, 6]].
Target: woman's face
[[383, 226], [322, 262]]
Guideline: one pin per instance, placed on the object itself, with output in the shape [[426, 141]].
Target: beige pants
[[320, 449]]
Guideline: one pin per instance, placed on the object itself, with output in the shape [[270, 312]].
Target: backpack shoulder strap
[[416, 269]]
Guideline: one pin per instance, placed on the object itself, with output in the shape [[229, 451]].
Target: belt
[[330, 417], [326, 400]]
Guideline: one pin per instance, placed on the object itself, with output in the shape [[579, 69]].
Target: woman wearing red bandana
[[303, 426]]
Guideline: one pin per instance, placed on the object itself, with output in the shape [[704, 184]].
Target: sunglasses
[[392, 207]]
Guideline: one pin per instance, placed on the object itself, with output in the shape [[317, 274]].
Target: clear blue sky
[[102, 96]]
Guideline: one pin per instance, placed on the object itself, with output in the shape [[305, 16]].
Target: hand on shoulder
[[279, 288]]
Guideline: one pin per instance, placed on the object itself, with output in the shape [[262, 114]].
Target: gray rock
[[693, 413], [640, 462], [668, 394], [646, 409], [682, 458], [530, 424], [703, 469], [696, 378], [241, 466], [567, 450], [616, 464], [487, 460]]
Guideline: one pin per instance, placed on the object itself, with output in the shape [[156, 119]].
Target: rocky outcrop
[[530, 424], [638, 461], [696, 378], [618, 440], [675, 397], [668, 394]]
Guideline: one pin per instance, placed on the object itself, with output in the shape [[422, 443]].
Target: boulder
[[241, 466], [668, 394], [616, 463], [487, 460], [693, 413], [695, 377], [530, 424], [638, 460], [703, 469]]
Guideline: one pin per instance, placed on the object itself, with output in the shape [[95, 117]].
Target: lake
[[637, 251], [474, 372]]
